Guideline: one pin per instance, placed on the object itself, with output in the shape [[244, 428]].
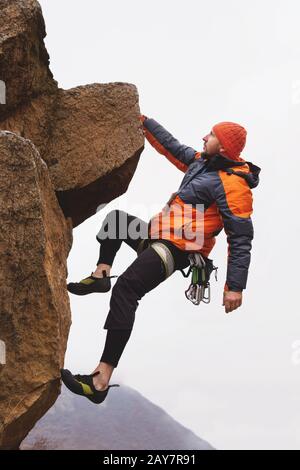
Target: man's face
[[211, 144]]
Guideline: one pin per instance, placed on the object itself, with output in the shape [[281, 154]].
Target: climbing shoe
[[83, 385], [91, 284]]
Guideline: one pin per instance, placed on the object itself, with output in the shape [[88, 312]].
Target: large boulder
[[24, 60], [35, 240], [89, 136], [91, 140], [63, 153]]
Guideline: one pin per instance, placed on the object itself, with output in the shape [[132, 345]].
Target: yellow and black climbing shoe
[[91, 284], [83, 385]]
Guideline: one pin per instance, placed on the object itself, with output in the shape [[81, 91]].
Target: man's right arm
[[180, 155]]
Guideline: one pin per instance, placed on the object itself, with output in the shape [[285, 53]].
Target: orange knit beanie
[[232, 137]]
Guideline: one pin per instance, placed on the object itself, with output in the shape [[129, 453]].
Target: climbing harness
[[166, 256], [199, 289], [163, 252], [200, 267]]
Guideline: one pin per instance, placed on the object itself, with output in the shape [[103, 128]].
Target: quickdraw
[[199, 289]]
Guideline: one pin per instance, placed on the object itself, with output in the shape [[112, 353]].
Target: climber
[[220, 181]]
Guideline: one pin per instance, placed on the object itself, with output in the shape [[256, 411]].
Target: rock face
[[23, 57], [90, 139], [89, 136], [67, 152], [35, 240]]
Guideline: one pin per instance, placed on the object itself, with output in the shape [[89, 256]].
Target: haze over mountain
[[126, 420]]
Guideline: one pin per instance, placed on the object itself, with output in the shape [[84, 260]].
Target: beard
[[206, 155]]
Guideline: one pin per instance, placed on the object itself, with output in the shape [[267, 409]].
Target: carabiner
[[205, 299]]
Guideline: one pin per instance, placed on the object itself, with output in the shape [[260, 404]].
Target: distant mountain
[[125, 421]]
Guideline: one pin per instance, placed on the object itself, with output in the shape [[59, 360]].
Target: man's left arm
[[166, 144], [234, 200]]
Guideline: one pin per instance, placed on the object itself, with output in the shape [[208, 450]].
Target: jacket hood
[[247, 170]]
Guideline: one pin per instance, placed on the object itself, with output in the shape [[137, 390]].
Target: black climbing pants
[[145, 273]]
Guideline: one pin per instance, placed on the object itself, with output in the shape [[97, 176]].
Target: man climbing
[[218, 180]]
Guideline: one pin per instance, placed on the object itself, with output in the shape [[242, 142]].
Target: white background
[[233, 379]]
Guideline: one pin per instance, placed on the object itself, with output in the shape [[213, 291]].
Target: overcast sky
[[233, 379]]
